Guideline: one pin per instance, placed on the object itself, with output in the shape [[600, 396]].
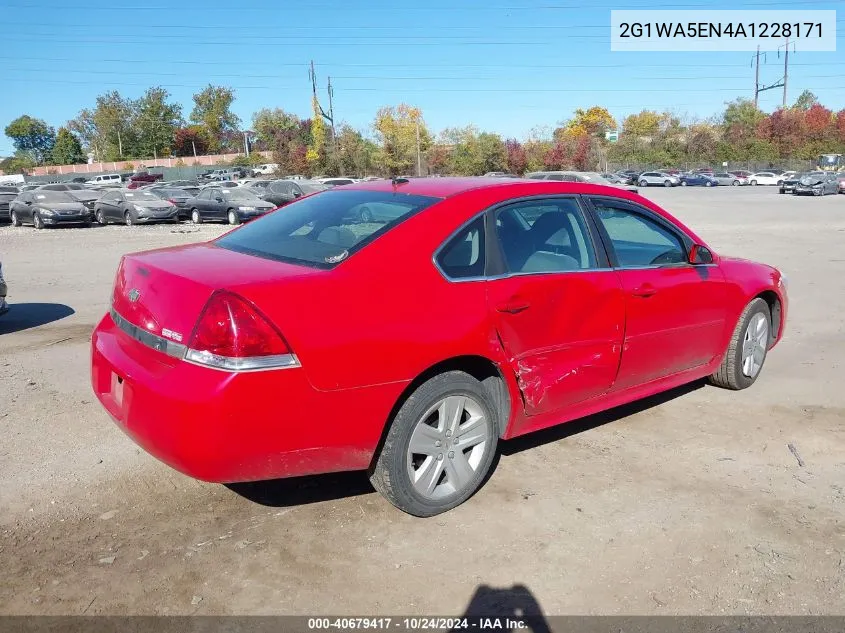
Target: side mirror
[[699, 254], [218, 199], [297, 194]]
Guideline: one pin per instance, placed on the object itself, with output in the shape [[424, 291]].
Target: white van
[[268, 169], [105, 179]]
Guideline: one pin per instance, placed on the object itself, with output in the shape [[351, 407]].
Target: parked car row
[[814, 183]]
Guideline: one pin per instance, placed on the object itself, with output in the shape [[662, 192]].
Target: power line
[[304, 65]]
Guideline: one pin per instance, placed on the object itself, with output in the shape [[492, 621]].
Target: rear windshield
[[324, 229], [8, 190]]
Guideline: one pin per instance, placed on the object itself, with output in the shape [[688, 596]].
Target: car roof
[[446, 187], [443, 187]]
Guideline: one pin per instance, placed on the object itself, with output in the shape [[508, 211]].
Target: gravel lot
[[685, 504]]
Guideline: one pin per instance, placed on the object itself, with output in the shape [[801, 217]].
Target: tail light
[[233, 335]]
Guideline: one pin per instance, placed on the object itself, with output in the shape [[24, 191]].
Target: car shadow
[[281, 493], [568, 429], [23, 316], [294, 491]]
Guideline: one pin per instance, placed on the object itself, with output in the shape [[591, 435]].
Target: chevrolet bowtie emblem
[[134, 295]]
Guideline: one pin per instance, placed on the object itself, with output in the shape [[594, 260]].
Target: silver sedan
[[725, 178]]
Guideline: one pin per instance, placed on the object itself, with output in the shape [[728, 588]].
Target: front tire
[[16, 221], [753, 183], [683, 183], [37, 222], [667, 183], [101, 217], [735, 183], [746, 353], [708, 184], [233, 217], [643, 183], [439, 447], [127, 217]]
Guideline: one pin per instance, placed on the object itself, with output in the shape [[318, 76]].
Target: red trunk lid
[[164, 291]]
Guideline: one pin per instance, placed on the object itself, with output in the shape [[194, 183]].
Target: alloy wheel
[[754, 345], [447, 447]]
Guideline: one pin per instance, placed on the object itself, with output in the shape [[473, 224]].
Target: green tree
[[155, 122], [356, 155], [213, 109], [268, 124], [805, 101], [741, 118], [108, 129], [20, 163], [67, 150], [32, 136], [396, 134]]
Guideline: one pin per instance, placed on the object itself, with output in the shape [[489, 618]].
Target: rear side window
[[545, 236], [324, 229], [463, 255]]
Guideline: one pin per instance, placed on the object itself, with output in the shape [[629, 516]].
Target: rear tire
[[127, 217], [733, 372], [196, 218], [643, 183], [461, 409], [667, 183], [735, 183], [753, 183], [708, 184], [683, 183]]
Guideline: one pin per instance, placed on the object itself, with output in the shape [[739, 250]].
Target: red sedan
[[406, 326]]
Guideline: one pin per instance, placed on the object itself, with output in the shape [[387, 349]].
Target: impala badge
[[134, 295]]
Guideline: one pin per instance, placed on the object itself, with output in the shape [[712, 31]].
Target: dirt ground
[[690, 503]]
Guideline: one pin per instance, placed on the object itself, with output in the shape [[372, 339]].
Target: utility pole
[[331, 121], [194, 145], [119, 144], [785, 70], [312, 74], [419, 161], [757, 78], [246, 145]]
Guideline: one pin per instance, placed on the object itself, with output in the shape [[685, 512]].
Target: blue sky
[[504, 65]]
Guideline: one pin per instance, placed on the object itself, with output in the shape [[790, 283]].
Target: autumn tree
[[67, 150], [108, 129], [516, 157], [594, 121], [396, 134], [213, 110], [642, 124], [32, 137], [190, 141]]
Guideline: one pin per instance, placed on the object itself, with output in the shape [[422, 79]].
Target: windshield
[[171, 193], [240, 194], [74, 186], [323, 230], [8, 190], [140, 195], [53, 196]]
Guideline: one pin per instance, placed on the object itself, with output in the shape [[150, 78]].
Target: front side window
[[463, 255], [323, 230], [544, 236], [638, 240]]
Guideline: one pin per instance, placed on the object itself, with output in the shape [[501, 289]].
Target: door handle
[[513, 306], [645, 291]]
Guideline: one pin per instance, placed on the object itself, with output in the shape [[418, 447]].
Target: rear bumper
[[227, 427]]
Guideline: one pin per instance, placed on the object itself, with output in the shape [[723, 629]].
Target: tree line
[[117, 128]]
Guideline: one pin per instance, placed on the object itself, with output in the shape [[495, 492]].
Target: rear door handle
[[644, 291], [514, 306]]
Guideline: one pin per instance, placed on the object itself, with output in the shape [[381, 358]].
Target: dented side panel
[[565, 346]]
